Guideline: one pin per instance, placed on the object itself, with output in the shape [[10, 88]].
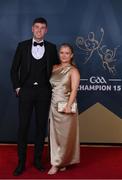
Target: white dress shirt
[[37, 51]]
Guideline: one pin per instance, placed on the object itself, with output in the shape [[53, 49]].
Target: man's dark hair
[[40, 20]]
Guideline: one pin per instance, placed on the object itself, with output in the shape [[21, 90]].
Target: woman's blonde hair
[[70, 47]]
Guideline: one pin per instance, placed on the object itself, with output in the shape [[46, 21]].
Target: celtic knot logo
[[91, 45]]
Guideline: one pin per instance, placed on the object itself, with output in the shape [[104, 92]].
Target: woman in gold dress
[[64, 126]]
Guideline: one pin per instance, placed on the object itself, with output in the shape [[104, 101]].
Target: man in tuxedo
[[30, 73]]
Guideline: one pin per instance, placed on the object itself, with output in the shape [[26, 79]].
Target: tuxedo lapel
[[47, 52], [29, 46]]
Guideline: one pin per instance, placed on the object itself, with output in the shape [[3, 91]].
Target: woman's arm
[[75, 80]]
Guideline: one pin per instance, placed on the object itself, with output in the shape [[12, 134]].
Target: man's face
[[39, 30]]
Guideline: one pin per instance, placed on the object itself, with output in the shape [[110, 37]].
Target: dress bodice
[[61, 83]]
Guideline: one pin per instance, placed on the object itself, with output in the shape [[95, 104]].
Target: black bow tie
[[40, 44]]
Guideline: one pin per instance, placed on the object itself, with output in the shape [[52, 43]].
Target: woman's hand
[[67, 109]]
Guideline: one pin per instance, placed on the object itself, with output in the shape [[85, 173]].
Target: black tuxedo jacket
[[22, 60]]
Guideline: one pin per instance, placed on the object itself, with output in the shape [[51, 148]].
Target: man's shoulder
[[25, 42], [50, 44]]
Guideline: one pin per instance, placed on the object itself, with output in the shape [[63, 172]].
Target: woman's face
[[65, 54]]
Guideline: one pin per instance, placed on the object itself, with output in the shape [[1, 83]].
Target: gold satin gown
[[64, 128]]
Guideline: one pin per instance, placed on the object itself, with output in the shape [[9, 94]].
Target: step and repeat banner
[[94, 28]]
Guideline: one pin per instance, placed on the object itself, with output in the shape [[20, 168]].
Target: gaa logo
[[97, 80]]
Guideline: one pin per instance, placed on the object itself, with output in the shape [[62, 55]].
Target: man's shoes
[[19, 169], [38, 166]]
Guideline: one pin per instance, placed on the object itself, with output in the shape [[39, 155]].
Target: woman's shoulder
[[74, 68], [56, 66], [74, 71]]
